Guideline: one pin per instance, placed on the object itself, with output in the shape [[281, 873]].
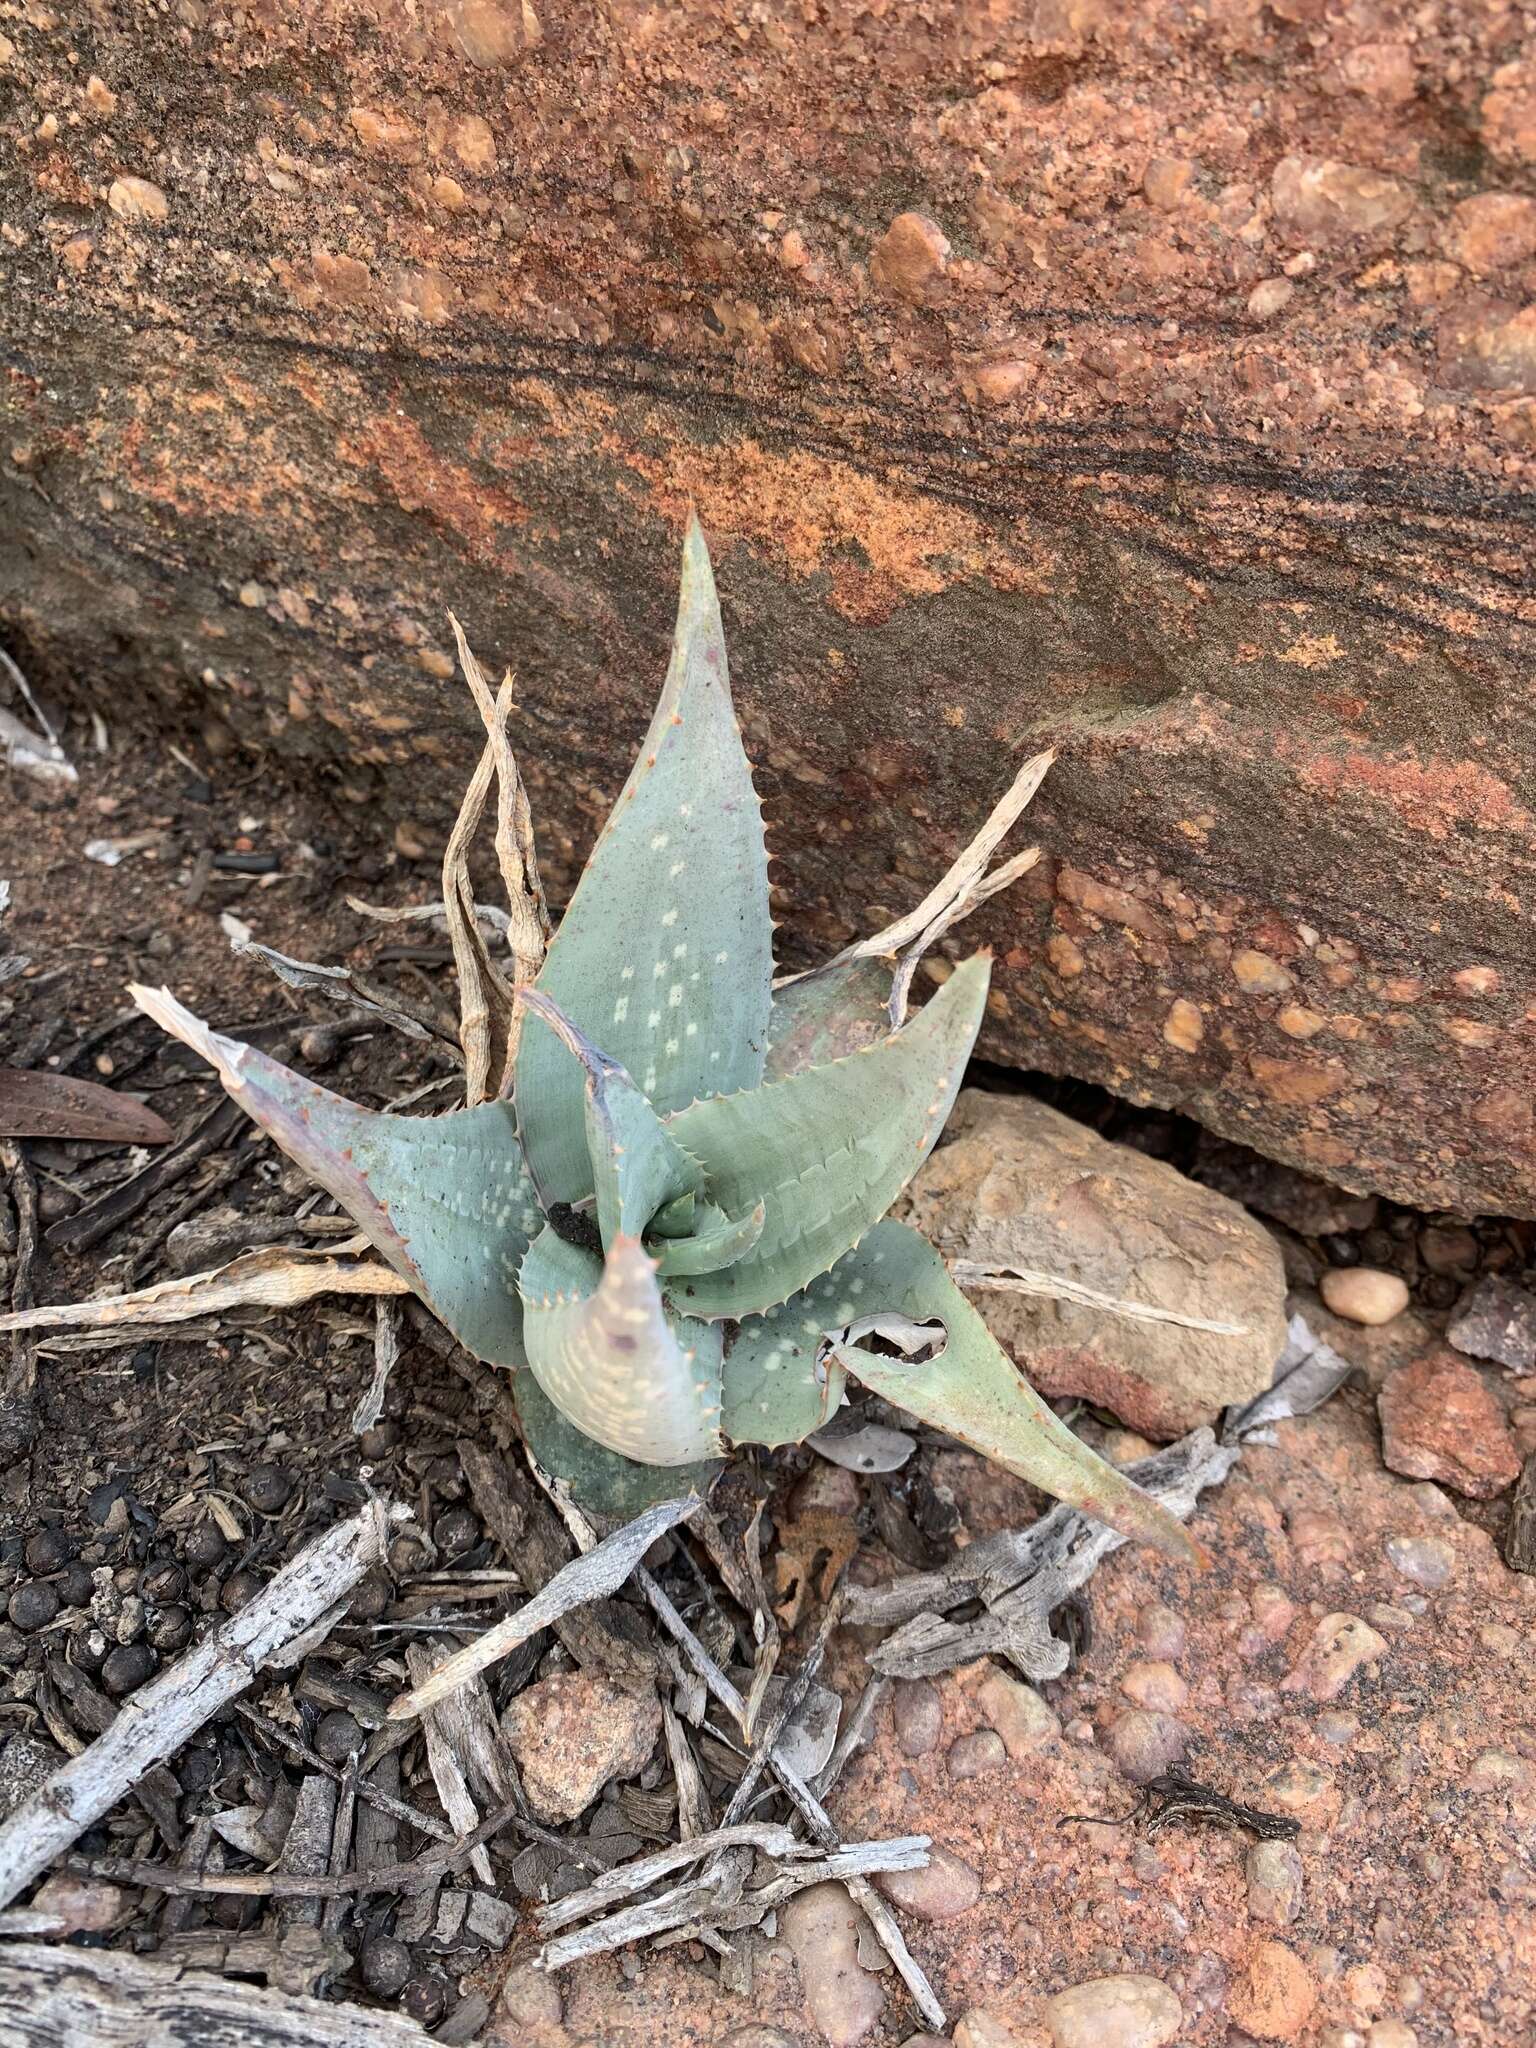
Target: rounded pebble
[[1114, 2012], [946, 1887], [982, 2029], [1144, 1744], [1427, 1560], [1391, 2034], [47, 1550], [1274, 1996], [1363, 1294], [918, 1715], [1274, 1882], [972, 1756], [126, 1668], [268, 1488], [338, 1736], [529, 1997], [385, 1965], [1161, 1632], [32, 1605], [1152, 1683]]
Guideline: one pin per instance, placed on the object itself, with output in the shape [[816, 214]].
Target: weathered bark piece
[[50, 1997], [1152, 385], [175, 1705]]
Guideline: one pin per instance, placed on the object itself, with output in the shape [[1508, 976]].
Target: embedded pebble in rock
[[1154, 1684], [1114, 2012], [755, 2035], [572, 1733], [982, 2029], [1161, 1632], [1274, 1996], [821, 1926], [1340, 1644], [1497, 1320], [1441, 1421], [1274, 1882], [1361, 1294], [918, 1714], [910, 256], [946, 1887], [973, 1756], [1144, 1744], [1428, 1560], [1023, 1720]]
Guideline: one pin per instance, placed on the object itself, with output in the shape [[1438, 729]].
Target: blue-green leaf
[[828, 1150], [972, 1390], [664, 956], [717, 1240], [600, 1481], [445, 1199], [605, 1349], [776, 1388], [637, 1166]]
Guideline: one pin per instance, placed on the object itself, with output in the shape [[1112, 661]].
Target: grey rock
[[1144, 1744], [973, 1756], [1114, 2012], [918, 1714], [1497, 1320], [947, 1886], [1274, 1882]]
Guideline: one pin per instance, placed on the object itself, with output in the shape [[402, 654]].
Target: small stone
[[1449, 1248], [1319, 201], [385, 1965], [1427, 1560], [1274, 1882], [946, 1887], [491, 1919], [1391, 2034], [1489, 232], [1497, 1320], [268, 1488], [910, 256], [1023, 1720], [338, 1736], [79, 1905], [573, 1733], [1166, 182], [1497, 1770], [136, 199], [1114, 2012], [1440, 1421], [821, 1927], [1339, 1646], [1274, 1996], [127, 1667], [1154, 1684], [1362, 1294], [973, 1756], [983, 2029], [918, 1715], [32, 1605], [1260, 975], [1161, 1632], [1184, 1027], [47, 1550], [757, 2035], [1144, 1744]]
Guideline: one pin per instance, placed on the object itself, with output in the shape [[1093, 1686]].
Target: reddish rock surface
[[1414, 1784], [1157, 383], [1441, 1420]]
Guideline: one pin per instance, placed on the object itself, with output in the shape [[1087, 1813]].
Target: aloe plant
[[670, 1226]]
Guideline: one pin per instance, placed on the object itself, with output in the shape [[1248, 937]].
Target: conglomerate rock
[[1159, 383]]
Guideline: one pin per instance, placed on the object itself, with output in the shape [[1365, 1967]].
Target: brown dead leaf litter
[[1355, 1659]]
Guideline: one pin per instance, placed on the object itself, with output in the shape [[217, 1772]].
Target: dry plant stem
[[978, 893], [19, 1381], [55, 1994], [367, 1791], [961, 879], [273, 1278], [599, 1571], [529, 925], [485, 1001], [159, 1718], [771, 1837], [415, 1876], [974, 1273], [386, 1355]]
